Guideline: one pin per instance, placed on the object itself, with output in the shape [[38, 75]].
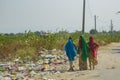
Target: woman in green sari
[[83, 53]]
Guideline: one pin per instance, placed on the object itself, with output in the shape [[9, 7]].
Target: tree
[[118, 12], [93, 31]]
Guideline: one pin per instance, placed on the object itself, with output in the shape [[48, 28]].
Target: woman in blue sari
[[70, 52]]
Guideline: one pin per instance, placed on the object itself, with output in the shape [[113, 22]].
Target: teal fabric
[[84, 49], [70, 50]]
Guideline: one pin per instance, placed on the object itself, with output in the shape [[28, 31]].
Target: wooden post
[[83, 22], [95, 21]]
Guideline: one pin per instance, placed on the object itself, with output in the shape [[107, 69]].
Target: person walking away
[[70, 52], [93, 48], [83, 53]]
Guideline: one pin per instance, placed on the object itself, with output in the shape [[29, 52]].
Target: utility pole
[[111, 28], [95, 22], [83, 22]]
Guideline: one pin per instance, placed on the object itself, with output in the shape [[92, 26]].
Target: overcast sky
[[54, 15]]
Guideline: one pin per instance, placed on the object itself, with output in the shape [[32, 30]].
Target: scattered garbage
[[49, 64]]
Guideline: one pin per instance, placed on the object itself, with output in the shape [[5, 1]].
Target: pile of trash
[[50, 64]]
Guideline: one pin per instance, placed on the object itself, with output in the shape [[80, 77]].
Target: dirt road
[[108, 67]]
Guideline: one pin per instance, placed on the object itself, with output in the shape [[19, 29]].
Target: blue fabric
[[70, 50]]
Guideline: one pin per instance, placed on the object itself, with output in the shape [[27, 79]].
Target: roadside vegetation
[[30, 43]]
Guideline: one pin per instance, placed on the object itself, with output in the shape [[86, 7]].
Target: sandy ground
[[108, 67]]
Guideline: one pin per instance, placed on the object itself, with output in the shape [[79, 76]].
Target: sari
[[93, 48], [70, 50], [83, 53]]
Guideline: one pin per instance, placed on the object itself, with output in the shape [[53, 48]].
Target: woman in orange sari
[[93, 48]]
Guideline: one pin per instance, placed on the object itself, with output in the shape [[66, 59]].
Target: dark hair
[[70, 38], [80, 37]]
